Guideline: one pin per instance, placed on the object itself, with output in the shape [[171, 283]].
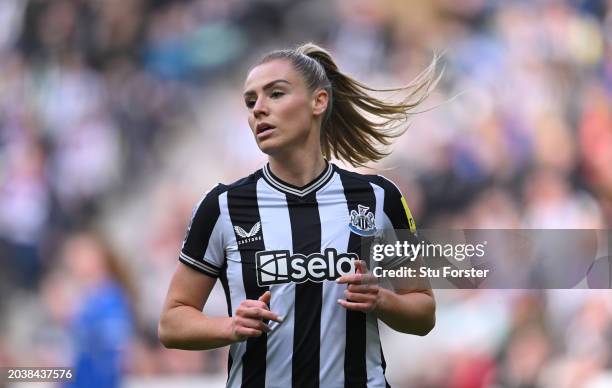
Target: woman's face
[[85, 259], [281, 108]]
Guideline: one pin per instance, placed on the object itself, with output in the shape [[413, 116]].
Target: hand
[[250, 316], [362, 291]]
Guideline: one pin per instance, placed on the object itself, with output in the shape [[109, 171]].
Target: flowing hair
[[347, 131]]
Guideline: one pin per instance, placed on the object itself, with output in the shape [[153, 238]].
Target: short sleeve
[[203, 248], [396, 208], [399, 226]]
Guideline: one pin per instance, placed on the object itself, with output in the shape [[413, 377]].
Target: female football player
[[287, 240]]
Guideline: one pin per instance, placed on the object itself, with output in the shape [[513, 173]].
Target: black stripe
[[357, 192], [226, 290], [202, 224], [244, 212], [230, 361], [306, 234], [228, 300], [384, 366], [393, 207]]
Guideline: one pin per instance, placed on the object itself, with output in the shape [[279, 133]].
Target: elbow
[[165, 335], [427, 321], [427, 326]]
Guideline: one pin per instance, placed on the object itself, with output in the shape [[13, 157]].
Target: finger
[[367, 279], [359, 297], [251, 309], [363, 307], [269, 315], [343, 279], [366, 288], [360, 267], [265, 297], [248, 332], [259, 313], [250, 303], [253, 312], [255, 324], [355, 278]]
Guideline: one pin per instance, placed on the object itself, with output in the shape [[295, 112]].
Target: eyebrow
[[267, 86]]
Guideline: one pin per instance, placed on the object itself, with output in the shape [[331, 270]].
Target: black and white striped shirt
[[261, 233]]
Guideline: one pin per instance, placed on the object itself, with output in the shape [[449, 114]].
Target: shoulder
[[386, 184], [394, 204], [213, 194], [246, 181]]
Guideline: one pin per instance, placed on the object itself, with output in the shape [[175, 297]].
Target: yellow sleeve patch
[[411, 222]]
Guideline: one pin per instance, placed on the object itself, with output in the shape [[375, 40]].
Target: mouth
[[263, 127]]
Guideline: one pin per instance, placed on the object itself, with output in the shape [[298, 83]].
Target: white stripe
[[385, 229], [194, 263], [215, 254], [237, 296], [199, 264], [203, 263], [236, 287], [281, 186], [335, 233], [276, 229], [376, 376], [381, 219]]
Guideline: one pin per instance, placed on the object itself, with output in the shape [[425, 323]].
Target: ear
[[319, 102]]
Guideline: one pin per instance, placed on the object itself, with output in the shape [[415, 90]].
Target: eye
[[277, 94], [249, 103]]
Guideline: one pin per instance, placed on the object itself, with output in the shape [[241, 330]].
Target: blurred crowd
[[117, 115]]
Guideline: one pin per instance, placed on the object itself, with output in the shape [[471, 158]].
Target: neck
[[94, 281], [298, 169]]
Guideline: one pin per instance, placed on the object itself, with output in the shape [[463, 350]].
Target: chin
[[271, 146], [268, 147]]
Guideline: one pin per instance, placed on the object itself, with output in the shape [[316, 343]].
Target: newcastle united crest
[[362, 221]]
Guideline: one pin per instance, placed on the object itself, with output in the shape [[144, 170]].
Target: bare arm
[[183, 326], [408, 310], [412, 312]]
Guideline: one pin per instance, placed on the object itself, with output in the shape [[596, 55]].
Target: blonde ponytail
[[346, 131]]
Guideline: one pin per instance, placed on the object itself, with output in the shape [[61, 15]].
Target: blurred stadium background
[[117, 115]]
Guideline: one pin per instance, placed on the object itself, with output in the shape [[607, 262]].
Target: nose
[[260, 108]]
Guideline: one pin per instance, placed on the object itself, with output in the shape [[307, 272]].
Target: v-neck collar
[[288, 188]]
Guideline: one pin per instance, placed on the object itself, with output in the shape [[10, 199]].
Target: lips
[[263, 127]]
